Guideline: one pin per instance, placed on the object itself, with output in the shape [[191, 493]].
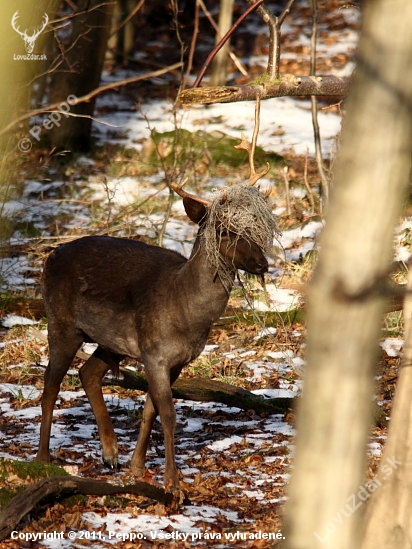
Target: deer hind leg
[[137, 464], [62, 349], [91, 375]]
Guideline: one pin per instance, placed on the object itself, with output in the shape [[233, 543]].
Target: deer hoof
[[138, 472], [178, 496], [172, 483], [111, 463]]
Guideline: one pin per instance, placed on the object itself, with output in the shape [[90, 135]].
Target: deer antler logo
[[29, 41]]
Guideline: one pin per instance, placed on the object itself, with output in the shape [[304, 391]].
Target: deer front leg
[[161, 393], [167, 414], [91, 375]]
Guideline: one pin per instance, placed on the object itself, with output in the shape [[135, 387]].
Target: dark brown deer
[[148, 303]]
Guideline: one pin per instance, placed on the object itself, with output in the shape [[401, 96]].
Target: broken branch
[[287, 85]]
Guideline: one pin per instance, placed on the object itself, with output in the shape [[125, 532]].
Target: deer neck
[[205, 280]]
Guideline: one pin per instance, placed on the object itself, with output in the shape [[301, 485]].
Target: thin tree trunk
[[219, 65], [345, 301], [79, 73]]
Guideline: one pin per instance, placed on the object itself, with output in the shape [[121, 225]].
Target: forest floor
[[235, 464]]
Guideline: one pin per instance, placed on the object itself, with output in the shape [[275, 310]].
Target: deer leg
[[167, 414], [91, 375], [137, 463], [159, 400], [62, 351]]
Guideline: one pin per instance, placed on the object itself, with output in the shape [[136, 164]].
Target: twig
[[87, 97], [314, 107], [287, 190], [128, 18], [306, 182], [232, 56], [251, 147], [192, 48], [226, 37], [274, 23]]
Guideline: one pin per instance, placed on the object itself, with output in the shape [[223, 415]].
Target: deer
[[29, 41], [149, 303]]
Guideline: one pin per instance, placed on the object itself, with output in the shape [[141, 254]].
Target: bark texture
[[345, 298], [389, 516]]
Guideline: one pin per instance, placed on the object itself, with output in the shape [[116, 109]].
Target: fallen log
[[24, 502], [208, 390]]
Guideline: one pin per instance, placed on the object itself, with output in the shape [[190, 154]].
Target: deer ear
[[196, 211]]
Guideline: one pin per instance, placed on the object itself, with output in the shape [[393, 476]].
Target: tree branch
[[274, 23], [208, 390], [286, 85]]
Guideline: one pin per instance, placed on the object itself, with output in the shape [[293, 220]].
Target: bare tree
[[346, 301]]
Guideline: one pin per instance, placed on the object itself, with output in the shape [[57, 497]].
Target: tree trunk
[[389, 517], [219, 65], [121, 41], [345, 301], [17, 76], [79, 73]]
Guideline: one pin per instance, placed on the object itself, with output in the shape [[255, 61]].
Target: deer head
[[237, 220], [29, 41]]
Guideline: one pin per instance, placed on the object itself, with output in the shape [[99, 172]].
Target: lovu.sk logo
[[29, 41]]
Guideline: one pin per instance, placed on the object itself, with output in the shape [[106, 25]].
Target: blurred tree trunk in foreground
[[345, 299], [80, 71], [389, 512], [16, 86]]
